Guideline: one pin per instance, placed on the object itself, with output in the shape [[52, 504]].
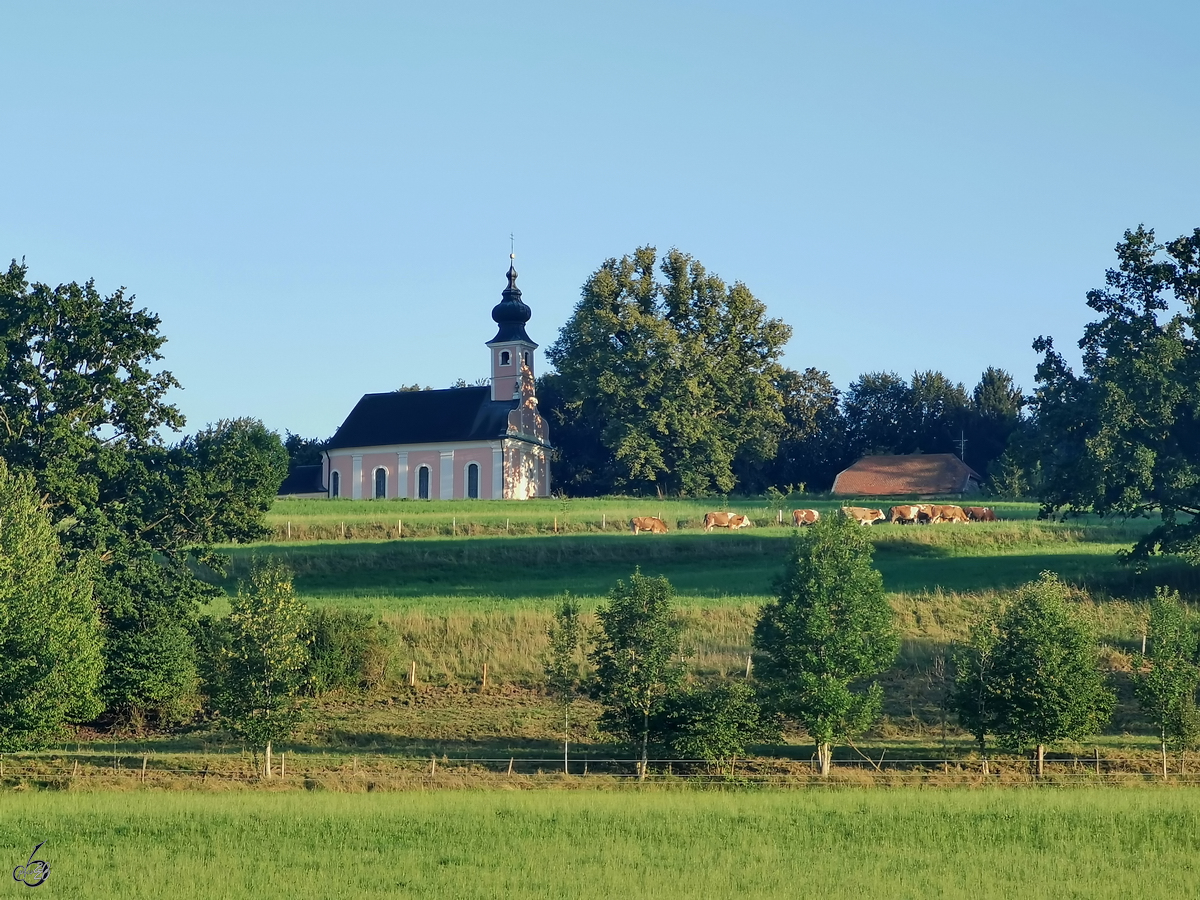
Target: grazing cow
[[947, 514], [805, 517], [980, 514], [726, 520], [903, 515], [862, 515], [652, 524]]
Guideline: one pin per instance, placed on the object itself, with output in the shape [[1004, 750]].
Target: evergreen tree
[[636, 659], [50, 643], [827, 633]]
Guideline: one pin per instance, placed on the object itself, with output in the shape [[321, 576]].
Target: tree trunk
[[1164, 754], [824, 758], [1041, 760], [645, 743], [267, 760], [566, 738]]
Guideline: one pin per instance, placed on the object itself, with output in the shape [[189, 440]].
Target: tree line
[[667, 378], [1028, 677]]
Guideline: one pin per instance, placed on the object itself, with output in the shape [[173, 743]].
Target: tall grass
[[1033, 844]]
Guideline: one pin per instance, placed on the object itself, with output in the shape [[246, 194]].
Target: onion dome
[[511, 313]]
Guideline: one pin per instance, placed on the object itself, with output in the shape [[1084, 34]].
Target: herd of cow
[[920, 513]]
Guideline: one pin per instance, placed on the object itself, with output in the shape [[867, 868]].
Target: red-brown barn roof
[[895, 476]]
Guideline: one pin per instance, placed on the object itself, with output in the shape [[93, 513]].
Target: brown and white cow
[[653, 524], [805, 517], [951, 514], [903, 515], [980, 514], [726, 520], [862, 515]]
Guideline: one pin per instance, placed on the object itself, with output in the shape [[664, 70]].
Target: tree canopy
[[1122, 436], [664, 382], [83, 408]]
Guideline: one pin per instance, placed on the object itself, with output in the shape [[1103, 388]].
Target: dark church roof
[[424, 417], [511, 313], [303, 480]]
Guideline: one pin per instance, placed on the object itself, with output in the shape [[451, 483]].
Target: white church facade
[[475, 442]]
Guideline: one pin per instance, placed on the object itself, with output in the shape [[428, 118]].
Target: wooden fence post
[[343, 531], [603, 521], [484, 685], [510, 765], [454, 526], [289, 531], [412, 674], [1097, 749], [433, 765], [282, 764], [399, 528], [143, 768], [506, 526], [748, 658]]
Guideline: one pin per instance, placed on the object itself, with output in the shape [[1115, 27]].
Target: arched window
[[381, 483], [505, 358], [335, 483], [423, 483], [473, 481], [526, 357]]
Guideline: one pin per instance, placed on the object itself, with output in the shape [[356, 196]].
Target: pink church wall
[[373, 461], [480, 455], [343, 465], [430, 458]]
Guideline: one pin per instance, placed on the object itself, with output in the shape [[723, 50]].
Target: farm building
[[485, 442], [922, 474]]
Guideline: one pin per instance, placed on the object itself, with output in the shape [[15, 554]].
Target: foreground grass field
[[1027, 843]]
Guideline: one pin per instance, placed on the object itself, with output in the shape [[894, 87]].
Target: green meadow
[[905, 843]]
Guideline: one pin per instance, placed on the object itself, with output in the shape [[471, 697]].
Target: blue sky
[[317, 198]]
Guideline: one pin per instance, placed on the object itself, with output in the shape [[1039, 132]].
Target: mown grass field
[[907, 843]]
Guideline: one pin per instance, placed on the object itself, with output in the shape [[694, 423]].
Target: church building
[[475, 442]]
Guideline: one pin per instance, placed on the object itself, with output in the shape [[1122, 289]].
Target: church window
[[380, 483], [473, 481], [505, 358], [423, 483], [526, 356], [335, 483]]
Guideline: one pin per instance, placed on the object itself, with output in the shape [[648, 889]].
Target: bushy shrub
[[349, 651]]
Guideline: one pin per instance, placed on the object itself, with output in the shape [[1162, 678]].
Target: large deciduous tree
[[50, 650], [829, 632], [664, 383], [1122, 436], [82, 408], [636, 659]]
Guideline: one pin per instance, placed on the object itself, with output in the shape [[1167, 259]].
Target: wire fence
[[61, 769]]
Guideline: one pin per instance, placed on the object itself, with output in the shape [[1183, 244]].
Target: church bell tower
[[511, 348]]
